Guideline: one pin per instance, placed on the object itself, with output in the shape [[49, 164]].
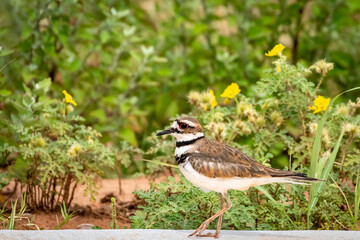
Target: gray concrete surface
[[156, 234]]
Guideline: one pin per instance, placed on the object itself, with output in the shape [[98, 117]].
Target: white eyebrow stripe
[[191, 124], [174, 125]]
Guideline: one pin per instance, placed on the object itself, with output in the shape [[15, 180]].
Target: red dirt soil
[[97, 213]]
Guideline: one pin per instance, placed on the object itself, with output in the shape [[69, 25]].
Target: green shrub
[[48, 148]]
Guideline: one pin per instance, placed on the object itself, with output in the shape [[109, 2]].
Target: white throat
[[182, 150]]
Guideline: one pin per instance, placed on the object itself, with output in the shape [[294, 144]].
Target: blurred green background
[[130, 64]]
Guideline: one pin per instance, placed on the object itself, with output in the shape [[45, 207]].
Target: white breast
[[222, 185]]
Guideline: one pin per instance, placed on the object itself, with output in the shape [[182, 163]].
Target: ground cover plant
[[287, 115]]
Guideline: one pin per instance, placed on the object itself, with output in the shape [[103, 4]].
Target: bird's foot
[[214, 235], [200, 229]]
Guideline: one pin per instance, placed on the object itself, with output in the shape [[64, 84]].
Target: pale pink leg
[[219, 214]]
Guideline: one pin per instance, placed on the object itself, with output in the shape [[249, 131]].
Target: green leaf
[[161, 163], [99, 114], [43, 85], [267, 194], [316, 188], [104, 36], [128, 135], [27, 90], [28, 100], [4, 92], [4, 52]]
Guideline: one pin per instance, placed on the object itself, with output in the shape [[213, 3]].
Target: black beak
[[167, 131]]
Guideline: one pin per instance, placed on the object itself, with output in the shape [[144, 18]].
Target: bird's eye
[[183, 125]]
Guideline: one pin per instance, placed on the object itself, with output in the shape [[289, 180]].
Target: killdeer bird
[[211, 165]]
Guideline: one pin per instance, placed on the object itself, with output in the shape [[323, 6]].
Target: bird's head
[[184, 129]]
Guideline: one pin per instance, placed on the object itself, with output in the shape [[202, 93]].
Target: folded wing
[[217, 160]]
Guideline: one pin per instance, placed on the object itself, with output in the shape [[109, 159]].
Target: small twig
[[347, 203], [339, 222], [59, 195], [72, 193], [321, 80], [302, 118], [344, 152], [53, 192], [32, 224], [7, 64]]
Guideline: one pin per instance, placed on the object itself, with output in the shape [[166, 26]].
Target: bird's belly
[[220, 185]]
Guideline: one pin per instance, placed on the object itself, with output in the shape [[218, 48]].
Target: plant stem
[[321, 80], [346, 200], [297, 34], [357, 198], [302, 118], [118, 171]]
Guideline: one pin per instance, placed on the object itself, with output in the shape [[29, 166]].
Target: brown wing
[[214, 159]]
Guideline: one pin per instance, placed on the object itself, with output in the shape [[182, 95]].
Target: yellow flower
[[74, 150], [231, 91], [278, 68], [68, 98], [213, 99], [40, 142], [320, 104], [275, 51]]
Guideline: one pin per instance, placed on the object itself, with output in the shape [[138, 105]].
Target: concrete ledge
[[155, 234]]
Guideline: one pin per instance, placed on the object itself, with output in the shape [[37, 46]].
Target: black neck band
[[184, 143]]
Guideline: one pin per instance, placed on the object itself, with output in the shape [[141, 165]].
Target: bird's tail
[[293, 177]]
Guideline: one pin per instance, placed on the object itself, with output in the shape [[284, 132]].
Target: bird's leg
[[219, 214], [218, 227]]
